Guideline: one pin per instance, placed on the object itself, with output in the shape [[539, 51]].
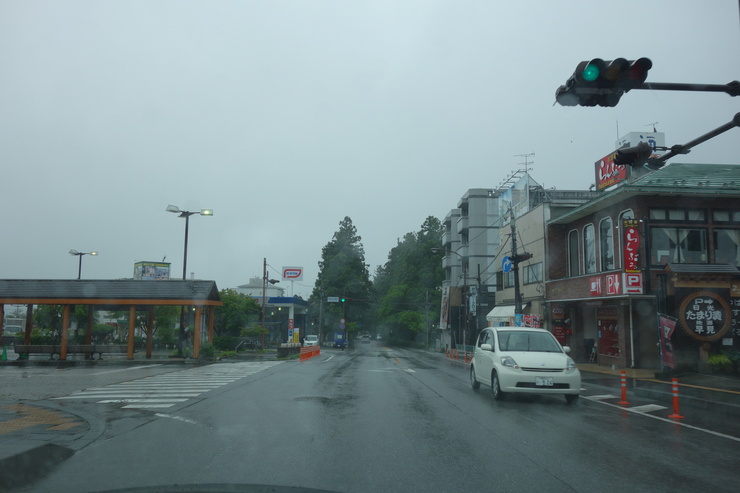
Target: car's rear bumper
[[519, 381]]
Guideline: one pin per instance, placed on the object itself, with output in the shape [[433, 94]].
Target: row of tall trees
[[402, 300]]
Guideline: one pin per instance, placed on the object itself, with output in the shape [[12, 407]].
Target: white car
[[311, 340], [523, 360]]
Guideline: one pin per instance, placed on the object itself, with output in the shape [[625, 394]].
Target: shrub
[[721, 363], [207, 351]]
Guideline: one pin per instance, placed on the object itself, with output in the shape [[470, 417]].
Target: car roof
[[521, 329]]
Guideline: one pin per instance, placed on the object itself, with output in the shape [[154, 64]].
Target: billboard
[[293, 273], [151, 271], [608, 173]]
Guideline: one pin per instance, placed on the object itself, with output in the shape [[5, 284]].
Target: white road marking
[[168, 389], [665, 420], [126, 369], [647, 408], [177, 418]]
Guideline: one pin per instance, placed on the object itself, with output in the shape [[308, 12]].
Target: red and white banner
[[631, 245]]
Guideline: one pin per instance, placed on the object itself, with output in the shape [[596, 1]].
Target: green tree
[[343, 273], [237, 313], [408, 285], [48, 318]]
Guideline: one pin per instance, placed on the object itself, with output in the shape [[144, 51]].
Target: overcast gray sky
[[286, 116]]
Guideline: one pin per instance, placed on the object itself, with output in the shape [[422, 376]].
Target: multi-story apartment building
[[471, 237]]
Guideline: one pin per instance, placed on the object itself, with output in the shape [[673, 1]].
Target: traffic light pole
[[685, 148], [731, 88]]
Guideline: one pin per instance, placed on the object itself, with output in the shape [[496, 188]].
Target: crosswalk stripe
[[166, 390]]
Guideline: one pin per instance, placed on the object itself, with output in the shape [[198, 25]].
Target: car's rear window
[[527, 341]]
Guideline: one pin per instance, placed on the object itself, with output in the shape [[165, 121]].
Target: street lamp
[[80, 254], [186, 215]]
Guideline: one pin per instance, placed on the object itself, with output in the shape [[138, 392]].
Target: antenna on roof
[[653, 125]]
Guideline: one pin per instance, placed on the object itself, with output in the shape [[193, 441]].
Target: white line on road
[[147, 406], [647, 408], [328, 359], [124, 401], [126, 369], [666, 420], [177, 418]]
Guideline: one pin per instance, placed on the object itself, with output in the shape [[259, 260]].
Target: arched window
[[574, 265], [589, 249], [606, 244]]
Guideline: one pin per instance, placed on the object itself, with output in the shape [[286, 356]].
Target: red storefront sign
[[631, 245], [595, 283], [613, 283], [632, 283], [608, 173]]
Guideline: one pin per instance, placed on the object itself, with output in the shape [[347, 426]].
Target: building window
[[727, 246], [589, 249], [726, 216], [678, 215], [678, 246], [574, 267], [509, 279], [533, 273], [606, 244]]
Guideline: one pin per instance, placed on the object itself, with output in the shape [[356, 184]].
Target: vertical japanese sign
[[667, 327], [631, 245]]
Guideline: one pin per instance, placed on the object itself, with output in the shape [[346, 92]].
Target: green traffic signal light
[[342, 300], [591, 72]]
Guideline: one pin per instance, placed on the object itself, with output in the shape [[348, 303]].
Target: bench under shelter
[[113, 295]]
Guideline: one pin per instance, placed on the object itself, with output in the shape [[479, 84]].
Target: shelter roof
[[676, 179], [109, 292]]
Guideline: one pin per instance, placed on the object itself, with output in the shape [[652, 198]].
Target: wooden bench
[[24, 350]]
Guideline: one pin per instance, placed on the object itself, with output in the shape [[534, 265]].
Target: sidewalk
[[159, 356]]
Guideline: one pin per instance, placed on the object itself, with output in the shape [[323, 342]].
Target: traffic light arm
[[732, 88], [685, 148]]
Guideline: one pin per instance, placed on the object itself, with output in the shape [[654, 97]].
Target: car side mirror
[[486, 347], [566, 349]]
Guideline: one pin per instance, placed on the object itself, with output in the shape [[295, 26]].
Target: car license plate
[[543, 381]]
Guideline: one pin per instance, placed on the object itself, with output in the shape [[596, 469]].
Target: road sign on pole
[[332, 299]]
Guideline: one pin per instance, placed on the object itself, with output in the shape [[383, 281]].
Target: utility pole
[[516, 259]]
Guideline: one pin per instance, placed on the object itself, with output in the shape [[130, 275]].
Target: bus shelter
[[113, 295]]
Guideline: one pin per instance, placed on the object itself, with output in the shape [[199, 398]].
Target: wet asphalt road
[[380, 419]]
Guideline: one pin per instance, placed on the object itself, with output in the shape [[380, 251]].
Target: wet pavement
[[43, 433]]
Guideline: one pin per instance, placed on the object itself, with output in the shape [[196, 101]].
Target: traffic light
[[602, 83], [633, 156], [343, 300], [516, 259]]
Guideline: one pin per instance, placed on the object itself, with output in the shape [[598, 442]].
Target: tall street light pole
[[80, 254], [186, 214]]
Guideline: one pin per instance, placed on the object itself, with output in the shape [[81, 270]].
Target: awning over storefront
[[501, 313]]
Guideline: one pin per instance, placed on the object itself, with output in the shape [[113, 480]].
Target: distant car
[[523, 360], [311, 340], [365, 339], [252, 344]]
